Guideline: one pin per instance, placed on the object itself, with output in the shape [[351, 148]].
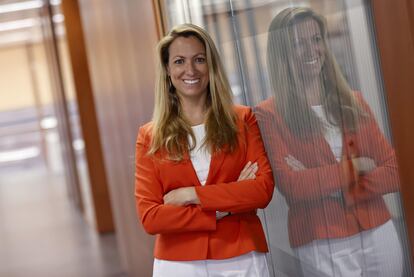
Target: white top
[[200, 156], [333, 134]]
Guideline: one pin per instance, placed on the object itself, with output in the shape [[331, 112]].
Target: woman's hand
[[355, 167], [181, 197], [363, 165], [249, 171], [294, 164]]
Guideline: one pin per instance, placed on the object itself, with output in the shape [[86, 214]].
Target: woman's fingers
[[363, 165], [294, 163], [181, 197], [249, 171], [247, 165], [252, 169], [244, 171]]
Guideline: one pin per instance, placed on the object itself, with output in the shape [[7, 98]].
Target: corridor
[[42, 234]]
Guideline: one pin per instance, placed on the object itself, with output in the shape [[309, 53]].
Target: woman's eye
[[179, 61], [200, 60]]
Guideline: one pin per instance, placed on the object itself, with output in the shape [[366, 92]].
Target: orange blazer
[[314, 211], [192, 232]]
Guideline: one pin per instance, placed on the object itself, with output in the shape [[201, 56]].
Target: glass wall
[[311, 72]]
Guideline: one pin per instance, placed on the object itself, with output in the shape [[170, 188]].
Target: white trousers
[[252, 264], [372, 253]]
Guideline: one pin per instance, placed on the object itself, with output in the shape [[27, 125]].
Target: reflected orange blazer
[[314, 211], [192, 232]]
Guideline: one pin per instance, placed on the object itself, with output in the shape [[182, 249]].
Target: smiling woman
[[309, 49], [332, 163], [201, 168], [188, 70]]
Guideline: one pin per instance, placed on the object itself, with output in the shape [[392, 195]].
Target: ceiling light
[[26, 5], [21, 6], [18, 24]]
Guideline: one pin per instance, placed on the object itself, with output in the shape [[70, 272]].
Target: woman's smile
[[192, 81]]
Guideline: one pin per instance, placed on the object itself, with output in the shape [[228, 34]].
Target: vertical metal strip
[[263, 85], [241, 64]]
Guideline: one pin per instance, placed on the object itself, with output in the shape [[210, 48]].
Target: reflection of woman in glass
[[331, 161], [201, 168]]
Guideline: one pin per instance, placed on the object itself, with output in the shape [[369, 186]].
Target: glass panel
[[31, 120], [73, 113], [29, 139], [310, 70], [52, 29]]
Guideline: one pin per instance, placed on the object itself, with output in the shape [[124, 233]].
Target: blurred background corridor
[[45, 229], [76, 82]]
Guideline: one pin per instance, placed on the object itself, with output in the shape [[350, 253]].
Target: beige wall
[[16, 85]]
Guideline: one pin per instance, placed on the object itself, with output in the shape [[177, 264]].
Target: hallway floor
[[42, 234]]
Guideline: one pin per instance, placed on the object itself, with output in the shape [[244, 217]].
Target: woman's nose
[[310, 47], [190, 68]]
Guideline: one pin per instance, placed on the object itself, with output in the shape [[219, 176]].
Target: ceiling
[[20, 21]]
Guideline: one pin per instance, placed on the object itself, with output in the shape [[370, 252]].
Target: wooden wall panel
[[120, 38], [395, 40]]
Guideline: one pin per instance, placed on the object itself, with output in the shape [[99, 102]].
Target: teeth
[[190, 82], [311, 61]]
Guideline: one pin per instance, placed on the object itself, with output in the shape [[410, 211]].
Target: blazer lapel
[[190, 166], [216, 161]]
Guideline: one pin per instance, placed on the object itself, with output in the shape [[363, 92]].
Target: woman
[[201, 168], [331, 161]]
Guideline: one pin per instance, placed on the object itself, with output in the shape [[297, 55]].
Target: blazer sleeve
[[246, 195], [156, 217], [308, 185], [314, 184], [372, 143]]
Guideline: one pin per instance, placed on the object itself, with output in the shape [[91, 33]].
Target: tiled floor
[[42, 234]]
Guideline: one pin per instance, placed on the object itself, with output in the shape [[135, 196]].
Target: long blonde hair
[[341, 108], [170, 128]]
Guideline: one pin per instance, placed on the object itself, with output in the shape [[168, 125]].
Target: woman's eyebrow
[[195, 55]]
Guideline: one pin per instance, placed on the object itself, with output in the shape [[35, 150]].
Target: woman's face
[[308, 49], [187, 67]]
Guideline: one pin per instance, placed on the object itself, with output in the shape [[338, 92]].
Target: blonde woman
[[201, 168], [331, 161]]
